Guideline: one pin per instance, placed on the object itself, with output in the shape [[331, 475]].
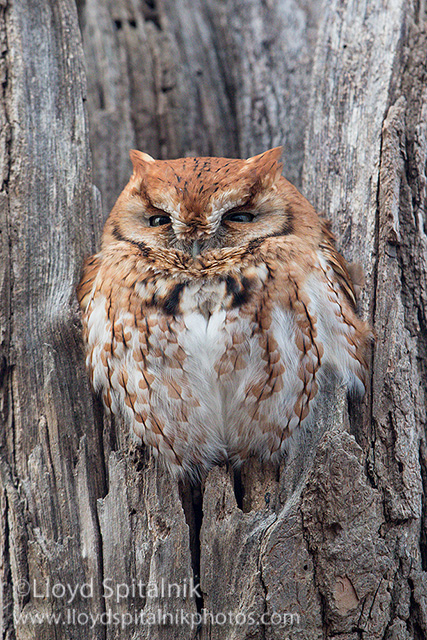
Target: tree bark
[[93, 534]]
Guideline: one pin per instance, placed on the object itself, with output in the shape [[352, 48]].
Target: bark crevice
[[191, 496]]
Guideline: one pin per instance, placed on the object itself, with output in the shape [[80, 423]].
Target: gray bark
[[334, 541]]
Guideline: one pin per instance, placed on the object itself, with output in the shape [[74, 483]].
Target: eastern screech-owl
[[214, 309]]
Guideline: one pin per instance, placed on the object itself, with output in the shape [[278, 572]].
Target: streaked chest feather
[[202, 295], [217, 368]]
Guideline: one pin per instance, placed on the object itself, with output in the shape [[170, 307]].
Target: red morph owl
[[215, 309]]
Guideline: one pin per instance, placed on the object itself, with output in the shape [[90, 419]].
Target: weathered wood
[[49, 216], [368, 145], [334, 542]]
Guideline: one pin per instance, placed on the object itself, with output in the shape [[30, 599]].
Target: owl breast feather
[[221, 368]]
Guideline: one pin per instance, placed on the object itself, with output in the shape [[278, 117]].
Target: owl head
[[195, 205]]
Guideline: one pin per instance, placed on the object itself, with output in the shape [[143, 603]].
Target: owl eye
[[239, 216], [158, 221]]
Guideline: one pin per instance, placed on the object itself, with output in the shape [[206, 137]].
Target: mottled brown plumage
[[216, 307]]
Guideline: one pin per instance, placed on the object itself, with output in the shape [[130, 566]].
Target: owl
[[216, 308]]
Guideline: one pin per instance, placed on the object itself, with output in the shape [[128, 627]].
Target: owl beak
[[195, 248]]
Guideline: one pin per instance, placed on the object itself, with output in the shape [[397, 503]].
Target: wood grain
[[336, 538]]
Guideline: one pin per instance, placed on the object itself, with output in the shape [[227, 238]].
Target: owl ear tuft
[[266, 165], [140, 160]]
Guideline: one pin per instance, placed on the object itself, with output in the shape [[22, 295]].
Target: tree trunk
[[96, 542]]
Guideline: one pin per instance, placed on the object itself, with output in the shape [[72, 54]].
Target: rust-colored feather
[[338, 263], [90, 270]]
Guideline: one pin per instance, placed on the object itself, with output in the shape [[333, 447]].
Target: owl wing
[[349, 283], [344, 335], [84, 289]]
